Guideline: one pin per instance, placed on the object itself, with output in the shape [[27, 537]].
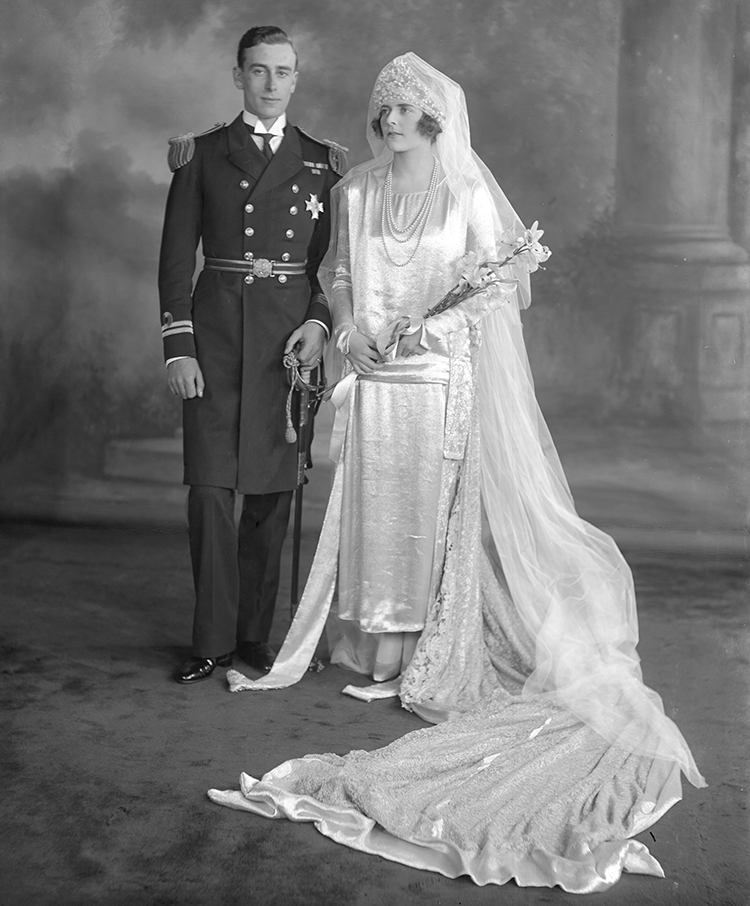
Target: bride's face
[[398, 120]]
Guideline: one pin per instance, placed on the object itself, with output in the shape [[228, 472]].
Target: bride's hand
[[409, 345], [363, 353]]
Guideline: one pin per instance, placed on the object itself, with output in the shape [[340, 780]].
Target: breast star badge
[[314, 206]]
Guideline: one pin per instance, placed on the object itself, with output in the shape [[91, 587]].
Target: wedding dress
[[550, 753]]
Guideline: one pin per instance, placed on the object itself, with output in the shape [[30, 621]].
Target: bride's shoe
[[377, 691], [383, 672]]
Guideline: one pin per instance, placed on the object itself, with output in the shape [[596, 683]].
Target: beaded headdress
[[399, 81]]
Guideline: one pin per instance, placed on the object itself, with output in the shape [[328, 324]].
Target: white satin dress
[[407, 424]]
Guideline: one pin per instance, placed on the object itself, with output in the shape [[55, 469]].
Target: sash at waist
[[411, 370], [437, 370]]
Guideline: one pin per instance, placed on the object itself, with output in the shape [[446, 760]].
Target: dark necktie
[[267, 152]]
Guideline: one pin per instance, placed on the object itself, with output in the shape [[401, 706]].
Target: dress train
[[515, 789], [510, 785]]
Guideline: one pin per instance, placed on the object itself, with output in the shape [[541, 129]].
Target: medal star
[[314, 206]]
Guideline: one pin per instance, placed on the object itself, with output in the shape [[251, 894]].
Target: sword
[[309, 383]]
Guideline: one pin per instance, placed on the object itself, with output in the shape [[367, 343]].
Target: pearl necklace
[[402, 235]]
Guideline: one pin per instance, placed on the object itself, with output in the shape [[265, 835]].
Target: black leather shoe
[[258, 655], [200, 668]]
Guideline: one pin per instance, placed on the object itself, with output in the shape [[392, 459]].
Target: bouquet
[[473, 277]]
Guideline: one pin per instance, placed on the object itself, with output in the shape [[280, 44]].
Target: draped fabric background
[[92, 91]]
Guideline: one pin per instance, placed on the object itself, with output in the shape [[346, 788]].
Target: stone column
[[739, 198], [689, 283]]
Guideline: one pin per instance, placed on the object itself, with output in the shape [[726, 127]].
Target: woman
[[462, 565]]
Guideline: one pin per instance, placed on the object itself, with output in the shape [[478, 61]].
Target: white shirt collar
[[276, 129]]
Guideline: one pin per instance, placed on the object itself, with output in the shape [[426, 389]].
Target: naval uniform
[[264, 226]]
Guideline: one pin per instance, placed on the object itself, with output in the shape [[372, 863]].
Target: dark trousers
[[236, 572]]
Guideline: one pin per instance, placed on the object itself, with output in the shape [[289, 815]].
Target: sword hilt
[[300, 379]]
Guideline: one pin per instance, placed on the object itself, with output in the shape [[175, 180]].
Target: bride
[[467, 584]]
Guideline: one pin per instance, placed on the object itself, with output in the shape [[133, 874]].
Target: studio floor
[[106, 761]]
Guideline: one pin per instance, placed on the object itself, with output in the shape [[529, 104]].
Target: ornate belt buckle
[[262, 267]]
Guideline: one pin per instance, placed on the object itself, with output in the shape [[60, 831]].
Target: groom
[[255, 193]]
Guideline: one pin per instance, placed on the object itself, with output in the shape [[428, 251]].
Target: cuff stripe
[[176, 324], [171, 331], [316, 321]]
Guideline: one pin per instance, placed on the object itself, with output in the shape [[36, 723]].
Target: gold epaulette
[[336, 152], [182, 147]]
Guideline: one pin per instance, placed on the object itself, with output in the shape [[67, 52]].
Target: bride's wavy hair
[[427, 126]]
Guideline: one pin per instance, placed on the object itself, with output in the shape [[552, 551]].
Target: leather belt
[[256, 267]]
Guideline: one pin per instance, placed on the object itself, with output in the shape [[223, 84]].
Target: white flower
[[472, 273], [526, 261], [533, 234], [508, 243], [543, 254]]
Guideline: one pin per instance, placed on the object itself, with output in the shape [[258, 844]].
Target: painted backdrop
[[92, 91]]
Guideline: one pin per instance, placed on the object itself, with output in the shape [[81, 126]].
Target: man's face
[[267, 80]]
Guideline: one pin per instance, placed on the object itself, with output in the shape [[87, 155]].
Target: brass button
[[244, 184], [282, 278], [249, 208], [293, 209], [248, 256], [289, 234], [286, 256], [249, 278], [249, 231], [295, 188]]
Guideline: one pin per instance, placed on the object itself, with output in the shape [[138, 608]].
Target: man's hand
[[307, 343], [363, 353], [185, 378]]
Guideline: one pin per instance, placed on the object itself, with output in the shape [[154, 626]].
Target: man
[[256, 194]]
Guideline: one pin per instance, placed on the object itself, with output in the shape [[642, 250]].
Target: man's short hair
[[262, 34], [427, 126]]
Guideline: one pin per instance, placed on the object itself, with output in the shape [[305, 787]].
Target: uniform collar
[[277, 128], [243, 153]]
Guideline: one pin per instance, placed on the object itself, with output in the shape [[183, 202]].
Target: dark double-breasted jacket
[[225, 195]]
